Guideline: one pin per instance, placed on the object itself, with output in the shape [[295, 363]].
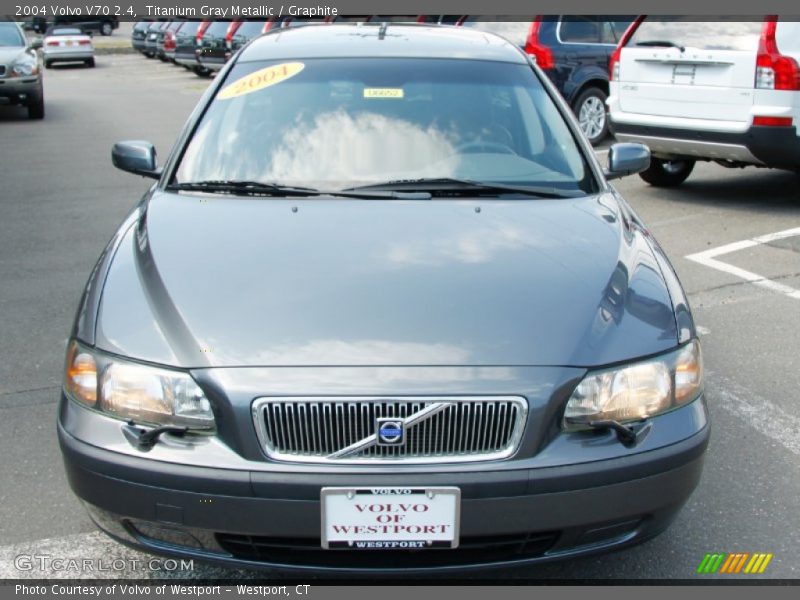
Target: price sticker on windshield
[[261, 79], [383, 92]]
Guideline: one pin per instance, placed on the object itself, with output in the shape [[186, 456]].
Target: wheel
[[667, 173], [590, 108], [47, 64], [202, 71], [36, 108], [106, 28], [90, 63]]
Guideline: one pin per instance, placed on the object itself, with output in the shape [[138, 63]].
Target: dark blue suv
[[573, 50]]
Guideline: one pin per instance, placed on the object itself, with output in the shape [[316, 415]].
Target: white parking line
[[761, 414], [707, 258]]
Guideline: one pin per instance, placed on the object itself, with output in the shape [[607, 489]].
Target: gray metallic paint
[[221, 281]]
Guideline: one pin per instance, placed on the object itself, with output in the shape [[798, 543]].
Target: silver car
[[382, 311], [67, 44], [20, 70]]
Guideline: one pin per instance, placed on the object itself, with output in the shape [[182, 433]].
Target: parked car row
[[201, 46], [574, 51]]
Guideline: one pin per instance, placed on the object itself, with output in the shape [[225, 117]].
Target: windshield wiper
[[451, 186], [661, 44], [259, 188], [229, 186]]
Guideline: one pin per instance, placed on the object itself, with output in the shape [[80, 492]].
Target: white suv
[[726, 91]]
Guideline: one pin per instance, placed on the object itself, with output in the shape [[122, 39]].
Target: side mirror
[[627, 159], [136, 157], [36, 44]]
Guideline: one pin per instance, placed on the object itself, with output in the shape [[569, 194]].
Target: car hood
[[10, 54], [220, 281]]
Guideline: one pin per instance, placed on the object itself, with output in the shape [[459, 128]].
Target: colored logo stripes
[[737, 562]]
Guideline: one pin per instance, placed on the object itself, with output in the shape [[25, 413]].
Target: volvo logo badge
[[390, 431]]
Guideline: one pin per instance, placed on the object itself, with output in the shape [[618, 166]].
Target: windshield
[[250, 29], [723, 33], [10, 35], [217, 29], [69, 31], [335, 124], [189, 28]]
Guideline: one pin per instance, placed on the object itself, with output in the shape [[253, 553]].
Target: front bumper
[[23, 90], [267, 518], [777, 147]]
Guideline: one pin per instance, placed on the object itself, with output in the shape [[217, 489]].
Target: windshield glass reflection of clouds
[[351, 122]]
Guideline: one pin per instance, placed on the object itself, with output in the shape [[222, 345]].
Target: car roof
[[364, 40]]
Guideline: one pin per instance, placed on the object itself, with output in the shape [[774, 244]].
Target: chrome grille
[[344, 430]]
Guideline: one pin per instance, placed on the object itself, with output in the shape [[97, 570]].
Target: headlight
[[25, 68], [639, 390], [127, 390]]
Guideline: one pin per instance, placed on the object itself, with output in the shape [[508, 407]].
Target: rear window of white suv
[[688, 32]]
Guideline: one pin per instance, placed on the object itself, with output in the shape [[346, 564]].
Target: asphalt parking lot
[[61, 200]]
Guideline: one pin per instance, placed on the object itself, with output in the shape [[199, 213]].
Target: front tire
[[590, 108], [667, 173], [36, 109]]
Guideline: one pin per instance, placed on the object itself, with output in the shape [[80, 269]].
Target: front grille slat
[[457, 428], [479, 550]]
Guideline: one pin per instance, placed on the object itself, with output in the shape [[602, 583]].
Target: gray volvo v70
[[382, 312]]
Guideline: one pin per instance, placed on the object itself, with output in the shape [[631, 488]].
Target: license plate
[[70, 43], [388, 518]]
